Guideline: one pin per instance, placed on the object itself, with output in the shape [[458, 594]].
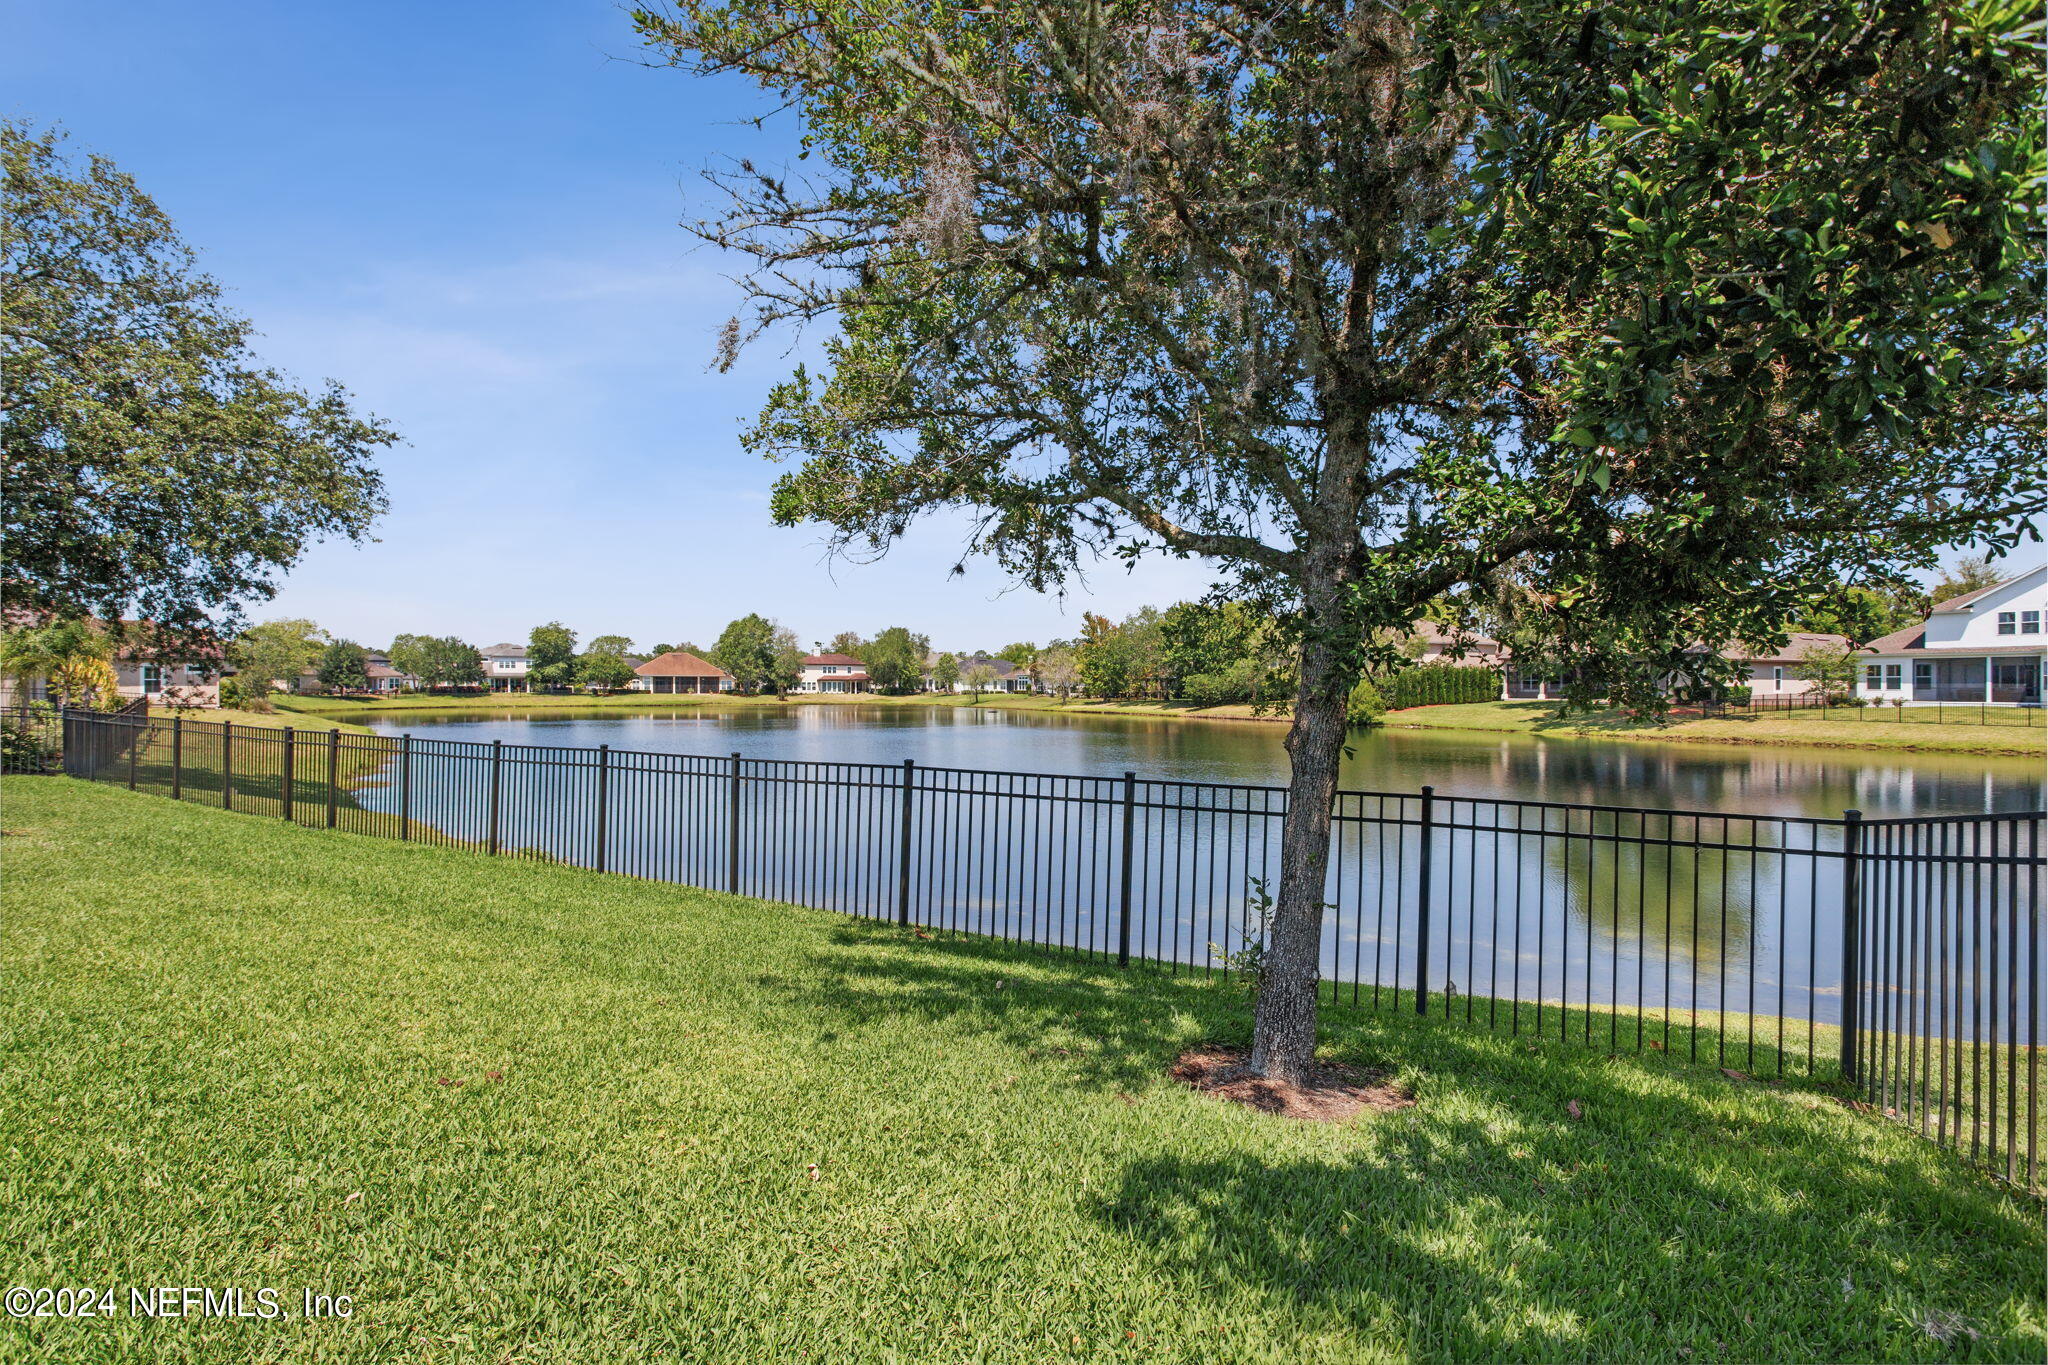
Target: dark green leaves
[[154, 467]]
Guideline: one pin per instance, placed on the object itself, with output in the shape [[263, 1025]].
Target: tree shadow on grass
[[1677, 1208], [1123, 1026], [1660, 1223]]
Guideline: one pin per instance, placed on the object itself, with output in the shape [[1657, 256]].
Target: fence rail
[[1898, 959]]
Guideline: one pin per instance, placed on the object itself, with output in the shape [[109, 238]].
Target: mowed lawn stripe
[[721, 1129]]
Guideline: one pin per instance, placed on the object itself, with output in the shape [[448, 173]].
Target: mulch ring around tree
[[1333, 1092]]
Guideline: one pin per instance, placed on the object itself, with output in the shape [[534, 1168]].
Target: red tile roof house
[[834, 673], [676, 671], [1987, 647]]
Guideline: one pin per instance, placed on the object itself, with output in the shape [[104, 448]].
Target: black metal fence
[[1899, 959], [1974, 711]]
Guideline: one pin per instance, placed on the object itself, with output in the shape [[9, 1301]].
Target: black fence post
[[1424, 867], [136, 737], [177, 758], [497, 782], [903, 844], [227, 765], [1852, 940], [604, 773], [289, 777], [732, 830], [405, 786], [333, 773], [1123, 912]]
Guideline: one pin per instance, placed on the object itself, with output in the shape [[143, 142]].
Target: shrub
[[1439, 685], [1367, 704], [1246, 680], [1247, 964], [30, 739], [1738, 696], [246, 693]]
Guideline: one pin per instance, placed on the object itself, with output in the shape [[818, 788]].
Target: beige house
[[164, 682], [677, 671], [1772, 673]]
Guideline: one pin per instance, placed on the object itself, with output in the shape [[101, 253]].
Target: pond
[[1723, 778]]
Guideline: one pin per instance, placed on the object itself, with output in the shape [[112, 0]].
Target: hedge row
[[1439, 685]]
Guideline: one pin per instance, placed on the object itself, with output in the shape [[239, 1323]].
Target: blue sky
[[466, 213]]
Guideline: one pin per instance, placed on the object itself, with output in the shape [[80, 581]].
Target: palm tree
[[75, 658]]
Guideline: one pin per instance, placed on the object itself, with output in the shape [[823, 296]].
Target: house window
[[2030, 623], [1873, 678], [1923, 675], [830, 668], [1777, 677], [152, 679], [2008, 623], [1894, 677]]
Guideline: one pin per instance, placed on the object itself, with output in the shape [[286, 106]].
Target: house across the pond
[[1772, 672], [505, 668], [834, 673], [1986, 647], [677, 671]]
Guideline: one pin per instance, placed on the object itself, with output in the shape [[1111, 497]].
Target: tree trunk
[[1284, 1028]]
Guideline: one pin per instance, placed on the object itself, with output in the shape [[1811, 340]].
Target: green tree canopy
[[74, 658], [848, 642], [1862, 614], [604, 664], [785, 659], [551, 656], [1058, 668], [344, 667], [1830, 668], [895, 659], [437, 660], [155, 468], [746, 649], [1024, 655], [945, 672], [1966, 575], [1678, 313], [273, 652]]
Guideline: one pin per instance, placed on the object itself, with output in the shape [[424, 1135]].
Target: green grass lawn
[[527, 1113], [295, 718], [2008, 732]]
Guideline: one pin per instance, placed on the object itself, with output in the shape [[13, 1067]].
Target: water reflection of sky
[[1734, 778]]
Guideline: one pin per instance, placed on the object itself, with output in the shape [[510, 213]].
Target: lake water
[[1721, 778]]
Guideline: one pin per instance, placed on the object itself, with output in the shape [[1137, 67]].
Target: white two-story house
[[1985, 646], [505, 668], [833, 673]]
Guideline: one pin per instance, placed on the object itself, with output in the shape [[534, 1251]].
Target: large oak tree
[[154, 466], [1666, 314]]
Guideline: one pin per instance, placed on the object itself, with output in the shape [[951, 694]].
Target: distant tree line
[[1209, 653]]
